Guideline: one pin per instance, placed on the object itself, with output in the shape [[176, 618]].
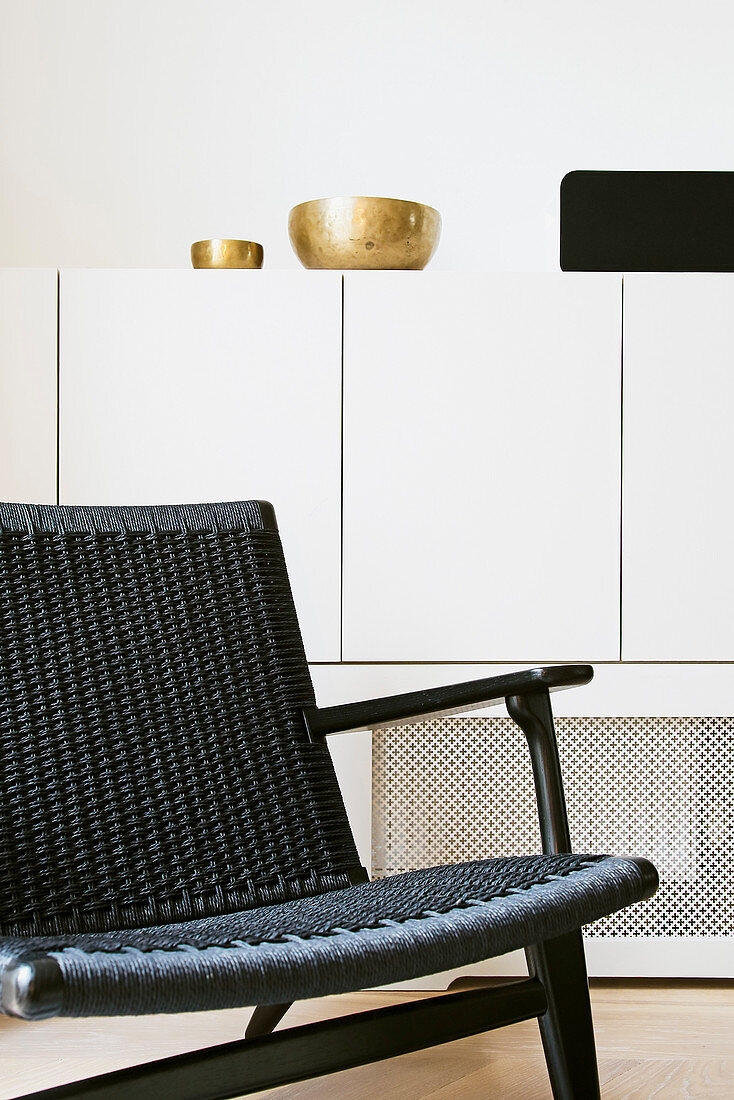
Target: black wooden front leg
[[265, 1019], [566, 1028]]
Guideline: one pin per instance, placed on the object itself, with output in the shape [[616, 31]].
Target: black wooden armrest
[[395, 710], [527, 695]]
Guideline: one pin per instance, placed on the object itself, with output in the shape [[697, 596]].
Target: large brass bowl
[[226, 252], [364, 233]]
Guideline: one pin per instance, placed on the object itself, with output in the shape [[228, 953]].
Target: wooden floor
[[655, 1040]]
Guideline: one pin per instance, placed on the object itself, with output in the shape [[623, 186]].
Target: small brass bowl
[[364, 233], [222, 252]]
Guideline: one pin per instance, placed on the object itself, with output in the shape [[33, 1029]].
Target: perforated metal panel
[[461, 788]]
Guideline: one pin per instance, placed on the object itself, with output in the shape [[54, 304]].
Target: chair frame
[[556, 992]]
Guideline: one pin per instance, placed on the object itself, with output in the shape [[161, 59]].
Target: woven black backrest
[[154, 765]]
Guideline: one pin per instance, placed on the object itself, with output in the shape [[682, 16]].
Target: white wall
[[129, 128]]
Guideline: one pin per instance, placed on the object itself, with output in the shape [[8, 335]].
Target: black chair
[[172, 836]]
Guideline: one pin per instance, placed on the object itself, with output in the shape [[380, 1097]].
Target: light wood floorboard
[[655, 1040]]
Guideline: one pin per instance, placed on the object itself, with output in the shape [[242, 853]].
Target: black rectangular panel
[[647, 221]]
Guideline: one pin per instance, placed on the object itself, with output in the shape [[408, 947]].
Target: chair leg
[[265, 1019], [566, 1028]]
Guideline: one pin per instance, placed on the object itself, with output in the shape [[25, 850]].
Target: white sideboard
[[28, 405], [481, 467], [456, 440], [678, 468]]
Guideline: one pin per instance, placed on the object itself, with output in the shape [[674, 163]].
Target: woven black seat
[[172, 836], [386, 931]]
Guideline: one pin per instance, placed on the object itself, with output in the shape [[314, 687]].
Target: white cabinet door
[[28, 385], [206, 386], [677, 577], [481, 467]]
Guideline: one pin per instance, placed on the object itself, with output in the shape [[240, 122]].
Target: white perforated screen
[[461, 788]]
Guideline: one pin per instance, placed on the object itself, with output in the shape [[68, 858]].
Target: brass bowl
[[222, 252], [364, 233]]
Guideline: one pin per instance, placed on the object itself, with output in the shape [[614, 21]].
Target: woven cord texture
[[153, 761], [386, 931], [410, 896]]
